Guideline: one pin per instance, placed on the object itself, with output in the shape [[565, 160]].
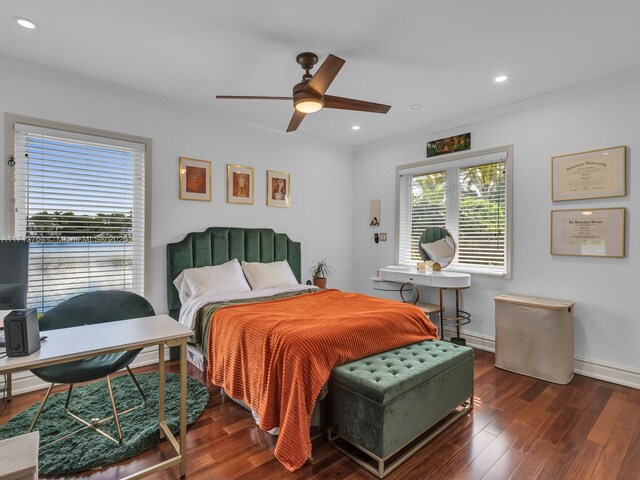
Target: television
[[14, 274]]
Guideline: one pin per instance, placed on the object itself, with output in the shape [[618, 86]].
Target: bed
[[265, 343]]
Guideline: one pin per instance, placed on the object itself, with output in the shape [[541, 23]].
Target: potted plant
[[320, 270]]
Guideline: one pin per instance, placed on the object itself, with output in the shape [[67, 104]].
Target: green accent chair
[[91, 308]]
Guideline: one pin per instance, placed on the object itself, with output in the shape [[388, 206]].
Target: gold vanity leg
[[183, 408], [161, 387], [441, 317]]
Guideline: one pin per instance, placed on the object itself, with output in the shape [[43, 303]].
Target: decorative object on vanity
[[587, 175], [309, 95], [594, 232], [278, 189], [320, 270], [374, 213], [437, 248], [85, 450], [195, 179], [239, 184], [442, 146], [534, 337]]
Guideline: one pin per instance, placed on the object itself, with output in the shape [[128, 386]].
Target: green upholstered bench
[[390, 404]]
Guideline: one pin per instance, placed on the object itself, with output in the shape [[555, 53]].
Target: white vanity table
[[401, 274], [392, 277]]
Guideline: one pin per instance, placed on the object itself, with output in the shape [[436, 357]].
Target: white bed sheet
[[190, 308]]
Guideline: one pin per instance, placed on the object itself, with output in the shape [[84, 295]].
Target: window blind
[[468, 196], [80, 201]]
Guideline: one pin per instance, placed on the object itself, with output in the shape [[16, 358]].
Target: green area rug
[[88, 449]]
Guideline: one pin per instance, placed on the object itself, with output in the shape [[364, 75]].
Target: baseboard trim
[[23, 382], [609, 372]]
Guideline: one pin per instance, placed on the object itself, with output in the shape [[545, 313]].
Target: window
[[80, 201], [469, 195]]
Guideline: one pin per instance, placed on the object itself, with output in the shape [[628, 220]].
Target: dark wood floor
[[520, 428]]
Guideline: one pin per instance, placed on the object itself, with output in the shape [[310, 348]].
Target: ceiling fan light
[[308, 105]]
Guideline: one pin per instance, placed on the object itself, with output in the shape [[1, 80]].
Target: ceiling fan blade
[[325, 75], [250, 97], [352, 104], [296, 120]]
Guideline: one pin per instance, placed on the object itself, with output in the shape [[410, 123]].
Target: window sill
[[481, 273]]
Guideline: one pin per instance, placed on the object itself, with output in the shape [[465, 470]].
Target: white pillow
[[225, 278], [269, 275], [438, 250]]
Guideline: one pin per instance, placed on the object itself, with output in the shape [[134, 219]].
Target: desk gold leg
[[183, 408], [161, 387], [8, 388]]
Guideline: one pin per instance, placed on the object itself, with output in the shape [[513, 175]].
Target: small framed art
[[239, 184], [589, 232], [195, 179], [442, 146], [278, 189], [587, 175]]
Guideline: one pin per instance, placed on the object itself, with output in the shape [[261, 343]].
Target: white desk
[[390, 277], [70, 344]]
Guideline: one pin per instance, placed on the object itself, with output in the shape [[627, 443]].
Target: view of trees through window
[[91, 227], [478, 222]]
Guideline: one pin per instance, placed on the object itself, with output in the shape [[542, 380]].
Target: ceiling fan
[[309, 95]]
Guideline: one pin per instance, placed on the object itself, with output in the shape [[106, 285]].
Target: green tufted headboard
[[218, 245]]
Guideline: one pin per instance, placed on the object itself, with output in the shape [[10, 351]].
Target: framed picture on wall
[[587, 175], [239, 184], [278, 189], [589, 232], [195, 179]]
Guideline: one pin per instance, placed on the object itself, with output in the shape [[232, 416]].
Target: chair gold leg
[[135, 381], [94, 423], [115, 409], [46, 397]]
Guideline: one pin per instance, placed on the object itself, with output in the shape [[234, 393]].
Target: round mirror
[[437, 247]]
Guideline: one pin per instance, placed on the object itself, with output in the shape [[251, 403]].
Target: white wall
[[319, 218], [607, 322]]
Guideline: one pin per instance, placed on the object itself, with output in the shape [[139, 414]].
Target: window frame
[[10, 120], [443, 162]]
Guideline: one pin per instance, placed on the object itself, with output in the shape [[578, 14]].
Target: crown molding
[[602, 84]]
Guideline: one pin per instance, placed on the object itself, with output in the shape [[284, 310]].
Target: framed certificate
[[594, 232], [593, 174]]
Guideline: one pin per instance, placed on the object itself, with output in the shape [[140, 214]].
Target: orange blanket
[[275, 356]]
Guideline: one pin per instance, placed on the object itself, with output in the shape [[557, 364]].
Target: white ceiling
[[442, 54]]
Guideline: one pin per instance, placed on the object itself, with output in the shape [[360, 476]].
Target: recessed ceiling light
[[415, 106], [587, 212], [26, 23], [501, 78], [355, 127]]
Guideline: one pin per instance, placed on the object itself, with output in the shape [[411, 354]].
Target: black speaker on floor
[[22, 332]]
